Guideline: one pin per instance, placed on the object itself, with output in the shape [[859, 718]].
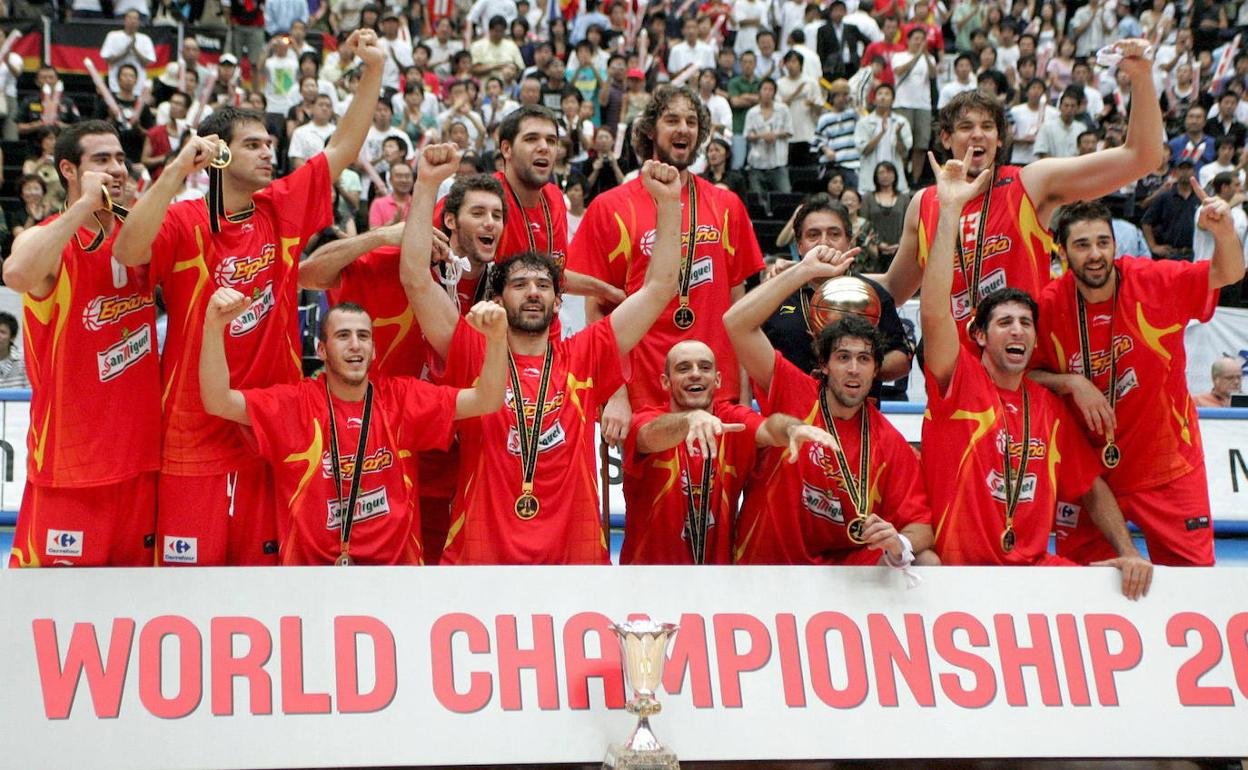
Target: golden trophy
[[644, 646]]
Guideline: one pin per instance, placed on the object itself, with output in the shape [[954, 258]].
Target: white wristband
[[907, 554]]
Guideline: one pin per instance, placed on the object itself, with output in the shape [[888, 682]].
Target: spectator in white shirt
[[1026, 119], [811, 67], [442, 46], [1228, 188], [805, 101], [881, 135], [398, 50], [768, 129], [748, 16], [128, 46], [914, 69], [962, 80], [768, 58], [1223, 163], [310, 138], [1058, 137], [483, 11], [690, 52]]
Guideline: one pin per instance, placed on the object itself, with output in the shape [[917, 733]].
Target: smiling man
[[1111, 340], [336, 442], [1000, 451], [1003, 237], [689, 460], [858, 500], [719, 252], [215, 498]]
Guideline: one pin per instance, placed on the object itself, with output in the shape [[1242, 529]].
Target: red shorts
[[105, 526], [218, 520], [1174, 518]]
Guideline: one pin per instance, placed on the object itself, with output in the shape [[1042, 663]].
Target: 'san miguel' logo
[[236, 271], [102, 311]]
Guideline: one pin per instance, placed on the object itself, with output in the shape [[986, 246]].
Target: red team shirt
[[91, 357], [260, 258], [657, 496], [586, 369], [796, 513], [372, 282], [1158, 433], [613, 244], [963, 465], [1016, 250], [290, 423]]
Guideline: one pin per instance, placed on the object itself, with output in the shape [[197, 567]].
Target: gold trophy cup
[[644, 645]]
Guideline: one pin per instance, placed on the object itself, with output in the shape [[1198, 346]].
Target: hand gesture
[[368, 48], [438, 162], [1133, 61], [823, 262], [1094, 406], [661, 181], [93, 184], [881, 535], [704, 430], [1214, 214], [1137, 574], [224, 306], [489, 318], [801, 434], [196, 153], [952, 189]]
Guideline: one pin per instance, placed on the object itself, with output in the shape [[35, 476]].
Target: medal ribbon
[[530, 439], [357, 474], [977, 260], [698, 515], [859, 489], [216, 203], [1085, 347], [116, 209], [1013, 484], [528, 226], [686, 263]]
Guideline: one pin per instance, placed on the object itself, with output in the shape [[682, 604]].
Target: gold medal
[[683, 317], [1111, 455], [527, 506], [1007, 540], [855, 529], [223, 157], [343, 560]]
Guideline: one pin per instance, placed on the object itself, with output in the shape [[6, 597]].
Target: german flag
[[75, 42]]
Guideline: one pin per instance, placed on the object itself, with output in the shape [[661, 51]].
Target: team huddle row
[[451, 423]]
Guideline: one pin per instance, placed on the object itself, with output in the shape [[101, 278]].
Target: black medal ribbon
[[116, 209], [528, 226], [1014, 484], [1110, 454], [347, 513], [697, 513], [527, 504], [859, 488], [977, 258], [684, 316]]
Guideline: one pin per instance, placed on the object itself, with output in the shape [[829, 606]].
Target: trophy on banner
[[644, 644]]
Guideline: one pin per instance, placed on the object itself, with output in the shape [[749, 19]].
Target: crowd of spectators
[[834, 97]]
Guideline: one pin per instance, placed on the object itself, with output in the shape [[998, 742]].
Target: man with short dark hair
[[1193, 144], [1169, 221], [91, 355], [1001, 455], [496, 53], [48, 107], [215, 492], [838, 44], [1059, 138]]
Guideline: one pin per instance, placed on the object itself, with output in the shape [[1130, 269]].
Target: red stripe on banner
[[72, 58], [29, 46]]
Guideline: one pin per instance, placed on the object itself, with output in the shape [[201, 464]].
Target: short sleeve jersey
[[91, 357], [258, 256], [586, 369], [664, 485], [614, 243], [1158, 434], [522, 223], [797, 513], [291, 426], [1016, 249], [372, 282], [964, 439]]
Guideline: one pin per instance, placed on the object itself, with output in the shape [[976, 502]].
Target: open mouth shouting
[[1016, 353]]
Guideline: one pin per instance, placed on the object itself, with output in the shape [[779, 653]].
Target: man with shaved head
[[1228, 378], [686, 462]]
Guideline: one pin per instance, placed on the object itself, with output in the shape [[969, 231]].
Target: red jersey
[[658, 488], [963, 465], [586, 369], [258, 256], [1158, 434], [91, 357], [613, 244], [1017, 245], [547, 235], [372, 282], [797, 513], [291, 426]]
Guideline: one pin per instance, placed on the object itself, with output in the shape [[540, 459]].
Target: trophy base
[[620, 757]]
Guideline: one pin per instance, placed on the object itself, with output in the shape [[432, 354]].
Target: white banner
[[254, 668]]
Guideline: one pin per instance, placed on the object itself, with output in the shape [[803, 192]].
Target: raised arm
[[634, 317], [940, 331], [36, 257], [1137, 573], [323, 269], [219, 399], [133, 245], [435, 312], [1054, 181], [744, 320], [345, 143], [486, 396], [1227, 264]]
